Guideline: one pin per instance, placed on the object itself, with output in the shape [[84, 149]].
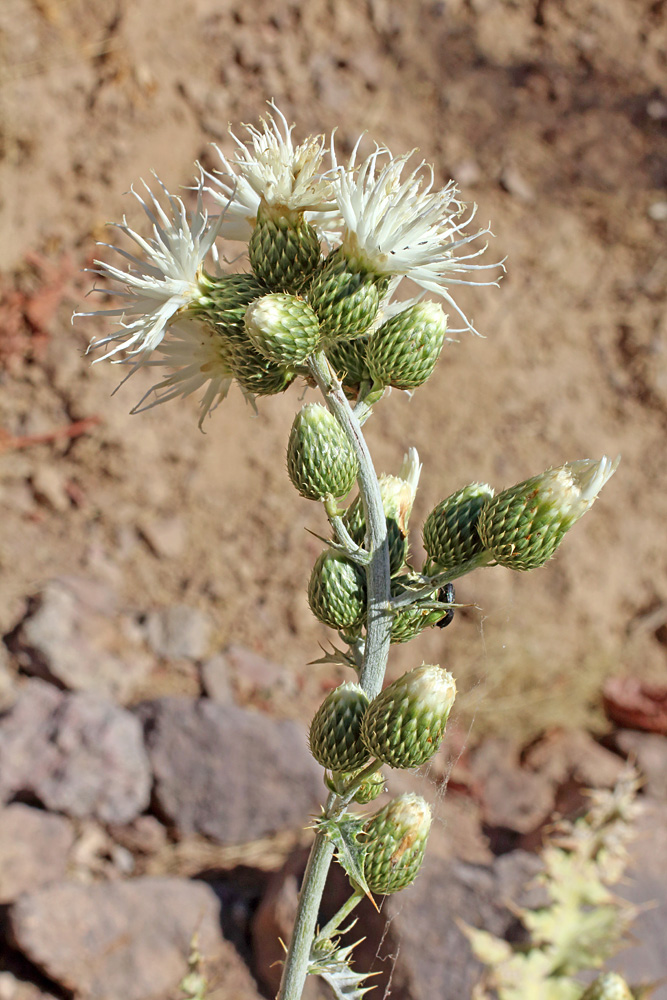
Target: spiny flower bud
[[337, 591], [225, 302], [344, 297], [412, 619], [335, 732], [370, 788], [404, 725], [284, 249], [348, 360], [394, 842], [609, 986], [320, 459], [450, 533], [398, 495], [523, 526], [283, 328], [404, 351], [256, 375]]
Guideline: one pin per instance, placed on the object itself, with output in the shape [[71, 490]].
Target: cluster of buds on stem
[[328, 244]]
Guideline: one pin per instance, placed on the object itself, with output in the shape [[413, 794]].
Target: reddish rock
[[229, 773], [126, 939], [34, 847], [76, 753]]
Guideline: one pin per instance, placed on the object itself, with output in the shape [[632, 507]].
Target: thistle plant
[[329, 243], [581, 923]]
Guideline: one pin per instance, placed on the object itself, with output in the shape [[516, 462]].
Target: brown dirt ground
[[552, 117]]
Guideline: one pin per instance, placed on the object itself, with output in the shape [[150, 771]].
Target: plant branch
[[371, 674]]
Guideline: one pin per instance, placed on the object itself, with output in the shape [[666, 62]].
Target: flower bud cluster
[[402, 727], [519, 528], [327, 246]]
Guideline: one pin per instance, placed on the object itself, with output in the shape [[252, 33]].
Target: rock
[[512, 796], [229, 773], [649, 750], [76, 753], [34, 847], [646, 885], [125, 939], [574, 755], [255, 677], [165, 536], [516, 184], [216, 680], [145, 835], [49, 487], [73, 636], [8, 689], [178, 632], [12, 988]]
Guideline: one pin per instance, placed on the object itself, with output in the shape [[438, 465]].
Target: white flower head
[[574, 487], [199, 357], [270, 168], [159, 286], [400, 226]]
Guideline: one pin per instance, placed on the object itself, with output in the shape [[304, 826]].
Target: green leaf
[[349, 853]]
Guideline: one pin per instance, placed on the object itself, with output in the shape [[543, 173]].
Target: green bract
[[282, 327], [335, 732], [337, 592], [284, 249], [404, 350], [404, 725], [450, 530], [345, 299], [523, 526], [320, 460], [394, 842]]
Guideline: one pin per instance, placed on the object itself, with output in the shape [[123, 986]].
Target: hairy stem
[[371, 675]]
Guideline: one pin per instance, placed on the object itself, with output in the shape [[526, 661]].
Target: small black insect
[[446, 596]]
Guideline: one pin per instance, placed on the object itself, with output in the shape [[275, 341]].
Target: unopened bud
[[608, 986], [370, 788], [348, 360], [404, 725], [450, 530], [411, 619], [283, 328], [345, 298], [320, 460], [284, 249], [404, 350], [398, 495], [523, 526], [256, 375], [394, 842], [337, 592], [335, 732], [225, 301]]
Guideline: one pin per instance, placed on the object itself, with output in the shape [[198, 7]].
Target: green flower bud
[[370, 788], [283, 328], [348, 360], [320, 459], [394, 842], [225, 302], [404, 725], [609, 986], [284, 249], [335, 732], [398, 495], [412, 619], [256, 375], [450, 533], [523, 526], [404, 350], [345, 297], [337, 591]]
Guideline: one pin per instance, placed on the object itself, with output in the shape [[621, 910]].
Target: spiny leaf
[[349, 853]]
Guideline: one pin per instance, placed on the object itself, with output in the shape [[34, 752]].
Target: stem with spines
[[371, 675]]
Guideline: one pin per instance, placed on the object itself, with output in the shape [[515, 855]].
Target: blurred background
[[552, 117]]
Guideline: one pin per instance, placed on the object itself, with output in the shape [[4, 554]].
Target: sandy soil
[[552, 118]]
